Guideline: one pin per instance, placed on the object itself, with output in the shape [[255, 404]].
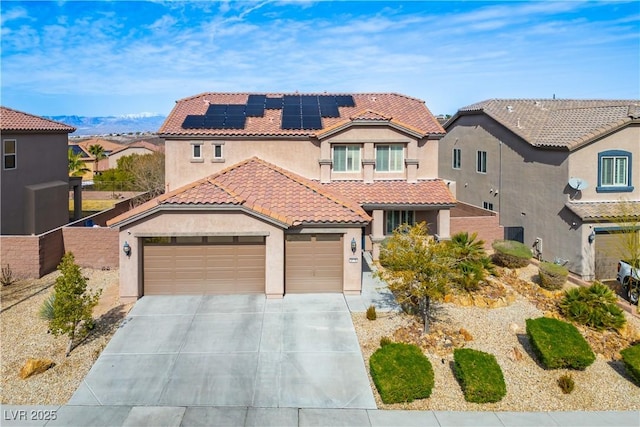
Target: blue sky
[[121, 57]]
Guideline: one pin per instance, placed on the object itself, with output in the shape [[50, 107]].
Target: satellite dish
[[578, 184]]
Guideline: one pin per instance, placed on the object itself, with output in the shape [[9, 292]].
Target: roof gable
[[265, 189], [14, 120], [556, 123]]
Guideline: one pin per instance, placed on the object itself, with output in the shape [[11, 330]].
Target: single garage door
[[204, 265], [607, 251], [313, 263]]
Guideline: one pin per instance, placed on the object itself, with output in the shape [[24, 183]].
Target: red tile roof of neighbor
[[557, 123], [266, 189], [13, 120], [424, 192], [404, 111]]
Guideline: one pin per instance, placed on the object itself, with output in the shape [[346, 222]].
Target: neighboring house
[[35, 178], [280, 193], [560, 173], [138, 147], [89, 160]]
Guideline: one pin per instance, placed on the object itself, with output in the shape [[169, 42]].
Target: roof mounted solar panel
[[273, 103], [292, 122], [234, 122], [216, 110], [254, 110], [236, 109], [329, 110], [292, 100], [291, 110], [326, 99], [309, 99], [256, 99], [345, 101], [311, 122], [193, 122], [213, 122], [310, 110]]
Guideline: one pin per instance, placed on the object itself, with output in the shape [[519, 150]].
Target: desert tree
[[97, 151], [76, 165], [72, 303], [417, 269]]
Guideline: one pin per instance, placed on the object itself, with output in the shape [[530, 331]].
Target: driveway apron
[[232, 350]]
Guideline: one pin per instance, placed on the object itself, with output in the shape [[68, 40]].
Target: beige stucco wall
[[352, 267], [199, 223], [299, 156], [112, 160]]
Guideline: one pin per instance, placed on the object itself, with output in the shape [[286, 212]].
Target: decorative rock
[[35, 366], [514, 328], [466, 334], [515, 355]]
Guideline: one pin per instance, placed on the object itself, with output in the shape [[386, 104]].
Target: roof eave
[[408, 206]]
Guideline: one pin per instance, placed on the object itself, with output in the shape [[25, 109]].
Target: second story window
[[481, 163], [614, 171], [457, 158], [9, 154], [218, 152], [389, 158], [196, 152], [346, 158]]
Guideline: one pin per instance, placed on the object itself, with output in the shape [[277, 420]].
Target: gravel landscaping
[[499, 331]]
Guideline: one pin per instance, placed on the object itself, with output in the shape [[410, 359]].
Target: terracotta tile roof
[[140, 144], [13, 120], [400, 109], [605, 210], [557, 123], [265, 189], [425, 192], [107, 145]]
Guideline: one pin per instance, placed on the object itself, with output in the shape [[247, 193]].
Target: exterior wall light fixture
[[353, 245], [592, 236], [126, 249]]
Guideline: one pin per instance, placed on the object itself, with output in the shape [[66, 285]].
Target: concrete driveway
[[232, 350]]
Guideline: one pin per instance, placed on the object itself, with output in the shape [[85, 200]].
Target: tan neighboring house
[[35, 178], [88, 159], [559, 172], [280, 193], [138, 147]]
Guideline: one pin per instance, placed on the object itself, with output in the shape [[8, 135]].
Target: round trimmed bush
[[511, 254], [552, 276]]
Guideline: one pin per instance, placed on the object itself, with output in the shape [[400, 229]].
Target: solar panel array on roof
[[298, 111]]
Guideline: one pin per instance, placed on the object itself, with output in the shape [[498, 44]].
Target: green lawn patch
[[479, 375], [511, 254], [631, 359], [401, 373], [559, 344]]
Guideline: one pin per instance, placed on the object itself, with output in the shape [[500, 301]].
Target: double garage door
[[236, 265], [228, 265]]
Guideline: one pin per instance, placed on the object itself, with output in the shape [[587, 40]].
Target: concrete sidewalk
[[170, 416]]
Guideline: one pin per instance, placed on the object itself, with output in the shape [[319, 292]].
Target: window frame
[[200, 157], [488, 206], [6, 155], [456, 158], [481, 161], [613, 187], [398, 163], [348, 149], [403, 217], [215, 146]]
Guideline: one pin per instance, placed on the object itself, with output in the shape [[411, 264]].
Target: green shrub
[[631, 359], [371, 313], [559, 344], [46, 309], [401, 373], [479, 375], [552, 276], [566, 383], [471, 261], [511, 254], [385, 341], [594, 306]]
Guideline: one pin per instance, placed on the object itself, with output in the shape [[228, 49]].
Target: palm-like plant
[[472, 263], [97, 151], [76, 165]]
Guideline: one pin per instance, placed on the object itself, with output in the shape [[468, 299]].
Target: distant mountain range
[[130, 123]]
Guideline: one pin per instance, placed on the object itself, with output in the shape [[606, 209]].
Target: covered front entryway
[[204, 265], [314, 263]]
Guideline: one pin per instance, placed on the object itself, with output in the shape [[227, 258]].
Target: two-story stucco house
[[561, 173], [35, 173], [280, 193]]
